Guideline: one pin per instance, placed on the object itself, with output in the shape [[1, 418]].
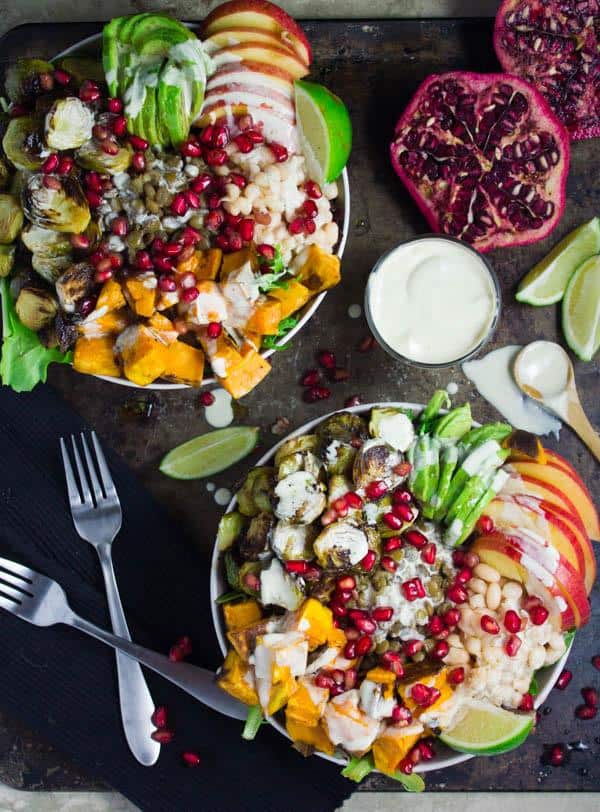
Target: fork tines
[[93, 484]]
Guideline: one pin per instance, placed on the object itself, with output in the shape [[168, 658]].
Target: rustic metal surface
[[375, 67]]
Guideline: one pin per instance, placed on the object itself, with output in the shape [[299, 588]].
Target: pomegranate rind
[[539, 118], [540, 66]]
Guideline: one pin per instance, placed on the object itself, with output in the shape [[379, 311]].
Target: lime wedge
[[210, 453], [325, 130], [545, 283], [486, 730], [581, 310]]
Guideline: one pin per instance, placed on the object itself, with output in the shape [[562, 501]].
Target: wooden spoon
[[544, 372]]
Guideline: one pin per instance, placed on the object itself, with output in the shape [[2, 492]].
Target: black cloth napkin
[[63, 684]]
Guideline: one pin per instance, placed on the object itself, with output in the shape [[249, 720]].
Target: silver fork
[[42, 601], [97, 517]]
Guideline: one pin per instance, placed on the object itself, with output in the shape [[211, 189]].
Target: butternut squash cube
[[244, 640], [314, 736], [243, 377], [236, 260], [185, 364], [111, 322], [291, 298], [265, 317], [234, 679], [280, 694], [209, 263], [315, 621], [164, 326], [238, 615], [320, 270], [111, 296], [393, 745], [381, 676], [140, 295], [336, 638], [144, 354], [220, 352], [95, 356], [302, 706]]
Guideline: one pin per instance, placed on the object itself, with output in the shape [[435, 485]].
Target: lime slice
[[210, 453], [545, 283], [325, 130], [581, 310], [486, 730]]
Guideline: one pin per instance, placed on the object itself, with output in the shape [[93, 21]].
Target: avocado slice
[[158, 44], [146, 25], [110, 53], [173, 102], [149, 115]]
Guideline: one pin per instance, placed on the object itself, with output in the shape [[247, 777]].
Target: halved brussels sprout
[[68, 124], [7, 259], [92, 156], [35, 307], [76, 283], [343, 426], [339, 458], [374, 460], [292, 542], [4, 174], [81, 68], [262, 490], [256, 538], [245, 495], [340, 545], [308, 442], [392, 425], [50, 268], [17, 183], [61, 209], [300, 498], [23, 143], [25, 79], [248, 578], [11, 219], [44, 242], [230, 527]]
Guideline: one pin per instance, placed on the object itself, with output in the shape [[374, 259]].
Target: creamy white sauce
[[545, 369], [222, 496], [432, 300], [210, 486], [347, 725], [493, 377], [355, 311], [397, 430], [452, 388], [220, 413]]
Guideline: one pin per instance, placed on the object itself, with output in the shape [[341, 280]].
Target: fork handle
[[198, 682], [135, 700]]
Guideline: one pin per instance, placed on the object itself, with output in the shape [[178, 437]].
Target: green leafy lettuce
[[359, 768], [285, 325], [24, 361], [275, 273]]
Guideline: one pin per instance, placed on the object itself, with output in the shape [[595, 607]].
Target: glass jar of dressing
[[432, 301]]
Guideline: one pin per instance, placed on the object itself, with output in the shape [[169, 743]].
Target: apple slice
[[568, 483], [264, 54], [523, 484], [240, 75], [227, 37], [251, 97], [573, 521], [261, 15]]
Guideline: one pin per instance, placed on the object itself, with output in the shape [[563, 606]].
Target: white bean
[[478, 586], [521, 684], [231, 208], [233, 191], [262, 179], [330, 190], [473, 646], [252, 191], [493, 596], [512, 590], [245, 206], [454, 640], [457, 656], [476, 601], [487, 573], [221, 170]]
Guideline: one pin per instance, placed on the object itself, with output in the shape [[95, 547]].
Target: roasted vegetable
[[392, 425], [50, 268], [68, 124], [95, 356], [144, 354], [248, 579], [343, 426], [374, 460], [61, 207], [75, 284], [238, 615], [230, 527], [340, 545], [81, 68], [278, 588], [7, 259], [11, 219], [263, 477], [339, 458], [23, 143], [293, 542], [4, 174], [300, 498], [308, 442], [255, 540], [26, 78], [318, 270], [44, 242], [36, 307], [92, 156]]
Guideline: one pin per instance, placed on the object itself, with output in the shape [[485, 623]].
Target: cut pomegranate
[[563, 680], [554, 45], [484, 157]]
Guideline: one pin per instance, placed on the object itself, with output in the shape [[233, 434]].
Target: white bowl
[[445, 757], [89, 45]]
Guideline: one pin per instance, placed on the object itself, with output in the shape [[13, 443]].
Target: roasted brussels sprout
[[26, 78], [248, 579], [262, 490], [66, 332], [339, 458], [293, 542], [92, 156], [393, 426], [68, 124], [23, 143], [256, 538], [11, 219], [340, 545], [374, 460], [300, 461], [7, 259], [50, 268], [300, 498], [35, 307], [277, 588], [308, 442], [63, 208], [230, 527], [81, 68], [343, 427], [263, 476], [17, 183], [44, 242], [75, 284], [4, 174]]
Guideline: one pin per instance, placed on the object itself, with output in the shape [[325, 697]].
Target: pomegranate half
[[484, 157], [555, 45]]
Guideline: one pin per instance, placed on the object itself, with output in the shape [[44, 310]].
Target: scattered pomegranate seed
[[464, 575], [169, 249], [388, 563], [138, 162], [402, 497], [214, 329], [313, 189], [426, 748], [363, 646], [457, 594], [315, 393], [109, 147], [415, 538], [119, 126], [201, 183], [220, 137], [163, 264], [192, 199], [337, 607], [179, 205], [79, 241], [485, 525], [99, 132], [339, 374], [368, 562], [393, 543], [406, 514], [167, 283], [103, 276], [538, 615], [596, 661], [489, 624], [295, 567], [376, 489], [353, 614], [51, 182], [265, 250], [159, 718], [512, 621], [65, 165], [382, 613], [86, 307], [353, 400], [189, 149], [296, 226], [89, 91], [563, 680], [309, 207], [428, 554], [329, 516], [365, 625], [119, 226], [206, 135], [471, 560], [435, 625], [254, 136], [586, 712], [280, 153], [526, 703], [531, 601], [413, 589], [456, 676], [557, 755], [187, 280], [590, 697], [51, 163], [512, 645], [62, 77], [309, 226], [235, 242], [392, 521], [189, 295], [104, 265], [163, 736], [143, 261], [350, 677], [412, 647], [421, 694], [458, 558], [440, 650], [214, 220], [190, 759], [243, 143]]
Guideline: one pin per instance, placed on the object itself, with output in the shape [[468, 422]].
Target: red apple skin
[[265, 97], [264, 15], [574, 522], [560, 462], [264, 54], [541, 490], [223, 37], [567, 483]]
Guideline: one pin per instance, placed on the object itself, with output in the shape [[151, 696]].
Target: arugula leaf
[[24, 362], [534, 686], [254, 720], [568, 637], [229, 597], [359, 768], [276, 273], [285, 325]]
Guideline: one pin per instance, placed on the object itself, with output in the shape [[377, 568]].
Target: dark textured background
[[375, 67]]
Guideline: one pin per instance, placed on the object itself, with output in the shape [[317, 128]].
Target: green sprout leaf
[[254, 720]]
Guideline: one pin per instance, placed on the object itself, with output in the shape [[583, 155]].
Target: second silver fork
[[97, 517]]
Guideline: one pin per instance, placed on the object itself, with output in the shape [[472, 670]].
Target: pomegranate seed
[[296, 226], [435, 625], [214, 329], [458, 558], [86, 307], [187, 280], [254, 136], [114, 105], [402, 497], [365, 625], [216, 157], [596, 661], [350, 650], [421, 694], [201, 183], [163, 264], [62, 77], [350, 677], [51, 163], [489, 624], [471, 560], [214, 220], [179, 205], [103, 276], [93, 198], [392, 661], [401, 714], [220, 137], [138, 162], [159, 718], [526, 703], [382, 613], [324, 681], [336, 690], [207, 134], [119, 126], [163, 736], [413, 589], [317, 393], [393, 543], [189, 295], [138, 143], [119, 226], [65, 165], [563, 680], [104, 265], [235, 243], [169, 249], [392, 521], [590, 697], [353, 500], [79, 241], [512, 645], [247, 229], [415, 538], [330, 515], [376, 489], [338, 608], [99, 132], [485, 525], [451, 617], [189, 149], [368, 562], [357, 613], [512, 621], [92, 181], [143, 261], [586, 712], [353, 400], [412, 647], [98, 255], [265, 250], [167, 283], [295, 567], [457, 594], [309, 207], [313, 189], [464, 575], [310, 378], [346, 582], [440, 650], [280, 153], [538, 615], [388, 563], [531, 601], [89, 91], [189, 236], [17, 110], [192, 199], [109, 147], [456, 676], [207, 399], [243, 143], [309, 226], [557, 755], [363, 646], [426, 747], [190, 759], [51, 182]]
